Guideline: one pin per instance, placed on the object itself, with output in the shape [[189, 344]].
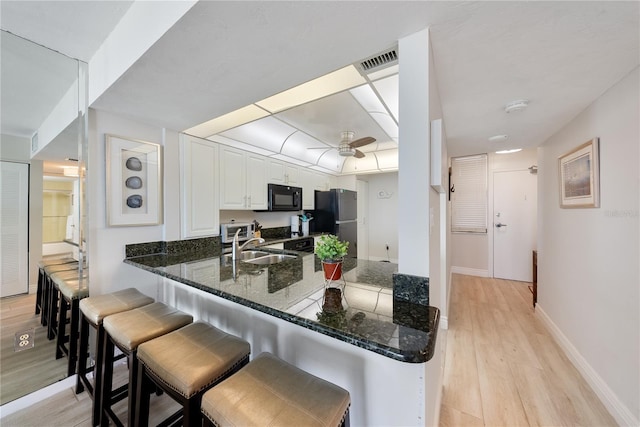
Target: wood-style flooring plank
[[31, 369], [451, 417], [461, 389], [522, 375]]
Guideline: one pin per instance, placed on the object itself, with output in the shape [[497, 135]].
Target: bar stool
[[41, 276], [127, 331], [93, 310], [269, 391], [48, 270], [55, 299], [185, 364], [72, 290]]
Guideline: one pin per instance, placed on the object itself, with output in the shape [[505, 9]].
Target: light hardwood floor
[[28, 370], [502, 367]]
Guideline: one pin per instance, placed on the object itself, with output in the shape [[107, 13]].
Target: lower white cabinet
[[199, 211]]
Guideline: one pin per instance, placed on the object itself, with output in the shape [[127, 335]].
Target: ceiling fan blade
[[359, 154], [322, 148], [362, 141]]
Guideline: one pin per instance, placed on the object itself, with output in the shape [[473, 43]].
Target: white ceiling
[[222, 56]]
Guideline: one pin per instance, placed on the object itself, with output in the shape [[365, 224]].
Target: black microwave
[[284, 198]]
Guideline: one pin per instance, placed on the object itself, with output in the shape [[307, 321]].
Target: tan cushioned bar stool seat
[[192, 358], [55, 261], [130, 328], [269, 391], [61, 267], [73, 288], [96, 308]]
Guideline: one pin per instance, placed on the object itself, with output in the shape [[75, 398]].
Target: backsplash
[[410, 288], [206, 246]]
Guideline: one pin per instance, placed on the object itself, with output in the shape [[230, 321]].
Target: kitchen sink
[[246, 255], [260, 257], [270, 259]]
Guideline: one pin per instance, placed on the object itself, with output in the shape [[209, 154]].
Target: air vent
[[34, 142], [380, 61]]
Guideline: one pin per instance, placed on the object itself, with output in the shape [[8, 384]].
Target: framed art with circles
[[134, 182]]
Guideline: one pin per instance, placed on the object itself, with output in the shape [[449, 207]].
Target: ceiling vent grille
[[380, 61]]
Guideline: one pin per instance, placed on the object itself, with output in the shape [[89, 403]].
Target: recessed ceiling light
[[518, 105], [514, 150], [498, 138]]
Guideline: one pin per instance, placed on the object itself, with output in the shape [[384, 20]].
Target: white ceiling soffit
[[34, 79], [74, 28]]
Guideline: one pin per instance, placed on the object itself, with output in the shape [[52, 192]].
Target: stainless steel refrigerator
[[336, 212]]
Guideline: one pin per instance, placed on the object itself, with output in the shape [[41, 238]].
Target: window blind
[[469, 200]]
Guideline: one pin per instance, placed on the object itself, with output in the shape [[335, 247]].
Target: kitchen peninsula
[[376, 348]]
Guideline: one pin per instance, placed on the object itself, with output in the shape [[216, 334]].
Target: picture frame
[[579, 173], [134, 182]]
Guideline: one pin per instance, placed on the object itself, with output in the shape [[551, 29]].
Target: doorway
[[14, 223], [514, 224]]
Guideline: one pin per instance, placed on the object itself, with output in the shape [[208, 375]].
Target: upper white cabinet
[[199, 211], [243, 180], [283, 173], [308, 181]]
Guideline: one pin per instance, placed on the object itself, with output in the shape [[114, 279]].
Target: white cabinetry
[[243, 178], [307, 180], [322, 181], [199, 214], [283, 173], [311, 181]]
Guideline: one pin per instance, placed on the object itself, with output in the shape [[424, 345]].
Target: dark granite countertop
[[377, 315]]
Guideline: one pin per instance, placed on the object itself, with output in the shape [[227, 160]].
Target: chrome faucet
[[237, 248]]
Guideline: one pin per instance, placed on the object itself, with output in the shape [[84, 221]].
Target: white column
[[414, 167]]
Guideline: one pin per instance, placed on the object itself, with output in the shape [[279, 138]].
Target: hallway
[[502, 367]]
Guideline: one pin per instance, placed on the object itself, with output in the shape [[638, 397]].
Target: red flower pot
[[332, 270]]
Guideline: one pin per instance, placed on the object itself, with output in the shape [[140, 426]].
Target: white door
[[514, 224], [363, 219], [14, 226]]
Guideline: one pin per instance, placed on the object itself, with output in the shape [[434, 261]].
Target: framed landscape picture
[[134, 182], [580, 176]]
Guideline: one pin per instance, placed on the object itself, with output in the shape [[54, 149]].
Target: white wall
[[588, 278], [383, 216], [106, 245]]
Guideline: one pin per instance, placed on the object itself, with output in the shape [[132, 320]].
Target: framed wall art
[[134, 182], [580, 176]]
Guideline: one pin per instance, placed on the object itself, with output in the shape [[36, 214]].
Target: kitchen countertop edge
[[403, 356]]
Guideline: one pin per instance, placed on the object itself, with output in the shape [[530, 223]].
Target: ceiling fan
[[348, 147]]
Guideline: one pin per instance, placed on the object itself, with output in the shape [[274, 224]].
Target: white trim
[[444, 322], [616, 408], [37, 396], [470, 271], [379, 258]]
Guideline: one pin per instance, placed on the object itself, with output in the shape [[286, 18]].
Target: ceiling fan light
[[346, 151]]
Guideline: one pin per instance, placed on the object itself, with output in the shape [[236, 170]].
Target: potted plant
[[331, 251]]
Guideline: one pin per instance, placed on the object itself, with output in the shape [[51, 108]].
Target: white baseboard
[[378, 258], [37, 396], [616, 408], [470, 271], [444, 322]]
